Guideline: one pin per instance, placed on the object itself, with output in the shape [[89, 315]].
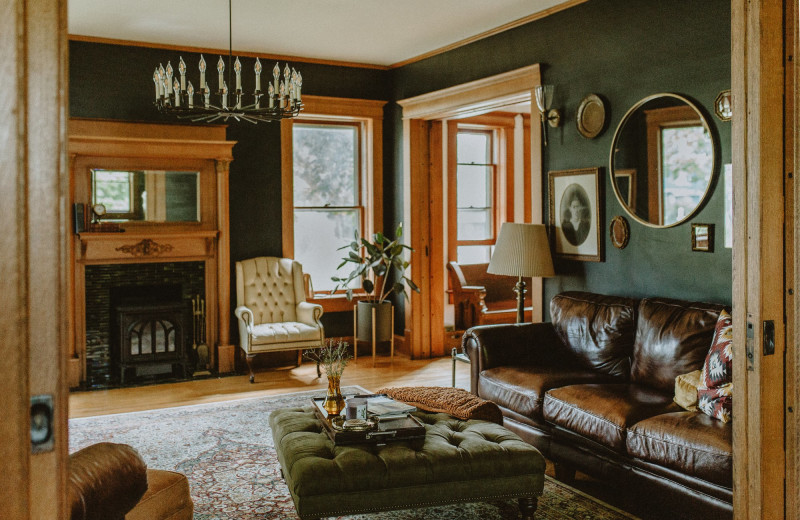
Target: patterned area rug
[[226, 451]]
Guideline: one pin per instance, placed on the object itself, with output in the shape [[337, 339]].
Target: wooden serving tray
[[407, 428]]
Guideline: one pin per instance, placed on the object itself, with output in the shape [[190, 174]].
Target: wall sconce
[[544, 98]]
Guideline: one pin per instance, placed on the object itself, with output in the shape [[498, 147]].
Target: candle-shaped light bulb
[[182, 70], [202, 73], [293, 94], [286, 78], [190, 92], [282, 93], [220, 70], [177, 87], [271, 91], [299, 85], [276, 72], [157, 83], [224, 88], [207, 97], [162, 77], [258, 70], [237, 68], [169, 78]]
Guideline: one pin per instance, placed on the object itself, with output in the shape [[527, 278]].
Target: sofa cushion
[[689, 442], [603, 412], [522, 388], [672, 338], [597, 329]]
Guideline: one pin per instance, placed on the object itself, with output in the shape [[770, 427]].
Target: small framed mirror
[[663, 160], [147, 195]]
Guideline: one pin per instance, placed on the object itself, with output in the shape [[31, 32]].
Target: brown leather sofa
[[110, 481], [593, 390]]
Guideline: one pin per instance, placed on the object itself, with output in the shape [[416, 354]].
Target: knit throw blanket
[[454, 401]]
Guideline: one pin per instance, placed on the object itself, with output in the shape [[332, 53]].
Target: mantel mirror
[[662, 160], [147, 195]]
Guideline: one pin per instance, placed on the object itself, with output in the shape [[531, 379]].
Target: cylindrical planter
[[383, 320]]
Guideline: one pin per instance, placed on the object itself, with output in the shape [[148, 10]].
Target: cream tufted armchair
[[272, 309]]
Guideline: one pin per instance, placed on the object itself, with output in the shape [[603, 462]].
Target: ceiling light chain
[[178, 98]]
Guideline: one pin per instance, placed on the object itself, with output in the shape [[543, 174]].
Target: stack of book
[[385, 407]]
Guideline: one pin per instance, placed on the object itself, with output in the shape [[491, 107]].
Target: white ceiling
[[378, 32]]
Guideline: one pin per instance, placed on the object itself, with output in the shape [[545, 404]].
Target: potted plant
[[379, 265]]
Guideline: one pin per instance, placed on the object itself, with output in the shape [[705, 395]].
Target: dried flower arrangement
[[333, 357]]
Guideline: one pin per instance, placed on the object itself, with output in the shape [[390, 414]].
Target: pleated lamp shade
[[522, 250]]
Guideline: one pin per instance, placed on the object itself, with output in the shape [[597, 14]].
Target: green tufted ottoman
[[461, 461]]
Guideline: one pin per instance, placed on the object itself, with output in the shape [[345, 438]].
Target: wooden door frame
[[33, 42], [423, 181], [759, 290]]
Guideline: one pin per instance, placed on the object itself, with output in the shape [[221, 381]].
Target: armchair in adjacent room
[[272, 310]]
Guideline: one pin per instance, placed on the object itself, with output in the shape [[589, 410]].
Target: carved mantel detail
[[145, 247]]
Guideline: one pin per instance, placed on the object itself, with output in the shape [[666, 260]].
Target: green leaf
[[354, 256], [355, 234], [368, 286], [378, 237], [353, 246], [411, 284], [349, 295]]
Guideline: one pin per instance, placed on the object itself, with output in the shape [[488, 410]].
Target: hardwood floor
[[402, 372]]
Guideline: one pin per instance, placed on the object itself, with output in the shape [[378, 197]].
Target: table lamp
[[522, 250]]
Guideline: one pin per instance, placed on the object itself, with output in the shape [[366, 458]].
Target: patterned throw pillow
[[715, 393]]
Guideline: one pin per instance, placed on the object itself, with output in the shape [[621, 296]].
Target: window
[[476, 174], [686, 159], [332, 184], [114, 190], [327, 195]]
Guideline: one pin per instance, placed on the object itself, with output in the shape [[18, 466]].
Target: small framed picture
[[703, 237], [576, 216]]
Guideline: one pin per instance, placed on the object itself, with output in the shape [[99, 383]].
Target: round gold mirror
[[662, 160]]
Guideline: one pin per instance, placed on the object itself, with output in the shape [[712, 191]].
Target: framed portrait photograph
[[576, 214]]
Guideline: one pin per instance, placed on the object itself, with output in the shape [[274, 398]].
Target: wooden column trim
[[792, 51], [225, 350], [287, 190], [436, 278], [758, 290]]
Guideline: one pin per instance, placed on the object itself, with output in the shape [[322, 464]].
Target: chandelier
[[177, 96]]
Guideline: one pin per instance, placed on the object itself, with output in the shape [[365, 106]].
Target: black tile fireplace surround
[[108, 286]]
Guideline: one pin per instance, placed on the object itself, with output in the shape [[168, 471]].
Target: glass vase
[[334, 402]]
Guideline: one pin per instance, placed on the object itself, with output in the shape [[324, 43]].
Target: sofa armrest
[[106, 480], [309, 313], [491, 346], [245, 318]]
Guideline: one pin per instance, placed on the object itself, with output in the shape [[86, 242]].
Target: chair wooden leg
[[299, 357], [527, 507], [250, 367]]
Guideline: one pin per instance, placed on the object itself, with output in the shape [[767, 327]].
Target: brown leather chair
[[110, 481], [481, 298]]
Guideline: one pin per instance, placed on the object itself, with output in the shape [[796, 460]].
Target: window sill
[[336, 302]]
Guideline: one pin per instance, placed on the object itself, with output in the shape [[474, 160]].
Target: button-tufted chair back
[[271, 287]]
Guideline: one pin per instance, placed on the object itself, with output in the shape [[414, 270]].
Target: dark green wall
[[623, 50], [115, 82]]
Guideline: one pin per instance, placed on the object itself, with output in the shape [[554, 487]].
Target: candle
[[157, 84], [237, 67], [275, 73], [190, 91], [299, 85], [220, 70], [258, 69], [202, 73], [224, 88], [271, 92], [182, 70], [286, 76], [207, 96], [177, 89], [282, 95], [356, 408], [169, 78]]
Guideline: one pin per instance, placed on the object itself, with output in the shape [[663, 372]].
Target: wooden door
[[33, 259]]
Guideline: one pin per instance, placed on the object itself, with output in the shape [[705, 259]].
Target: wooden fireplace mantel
[[139, 146]]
